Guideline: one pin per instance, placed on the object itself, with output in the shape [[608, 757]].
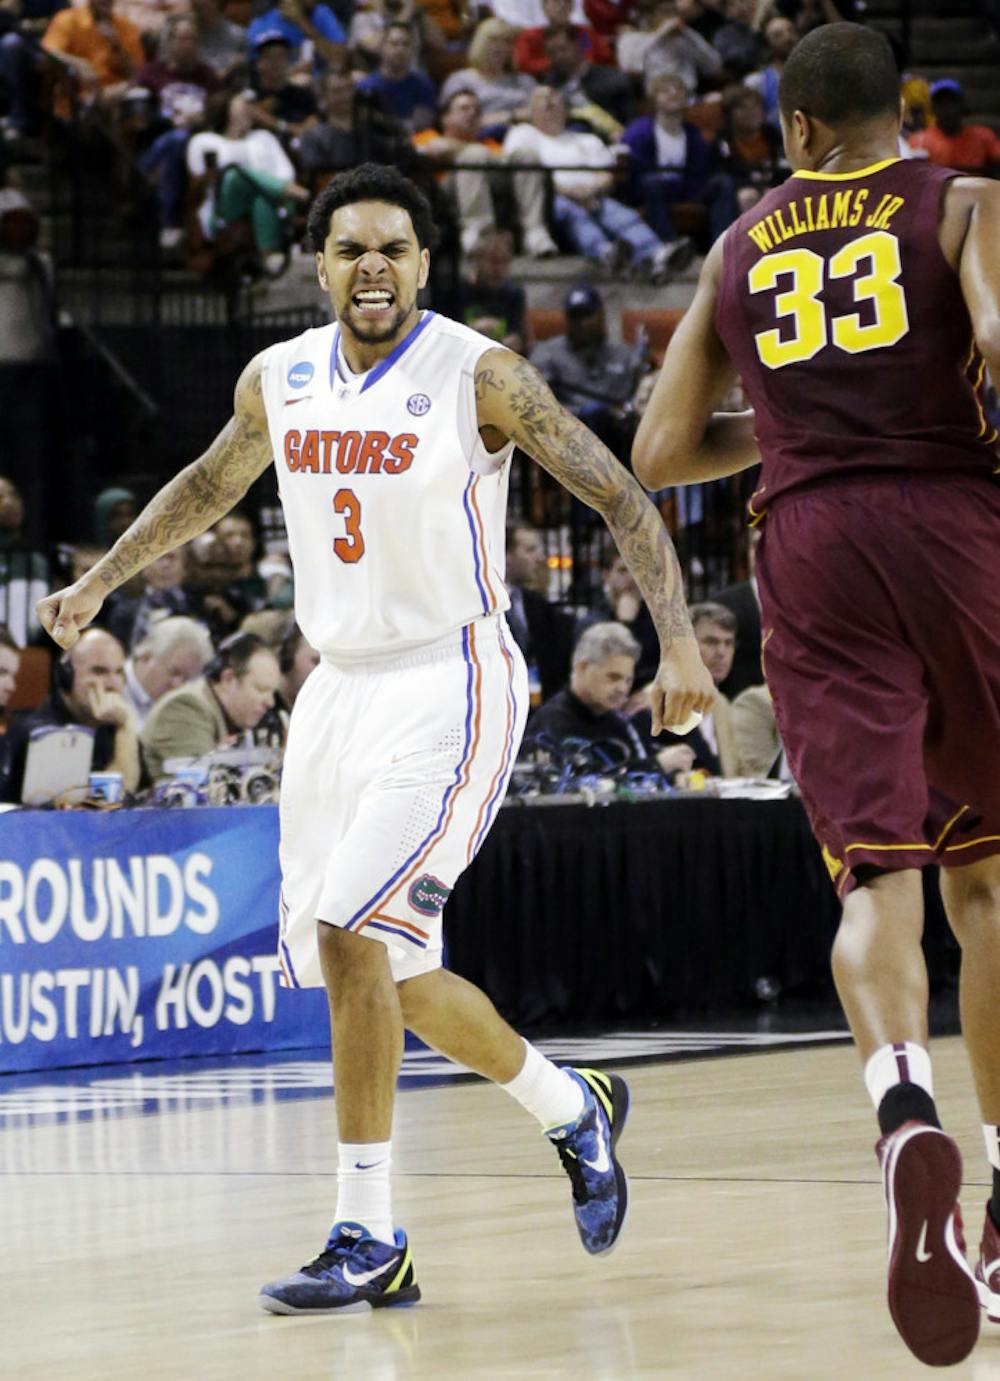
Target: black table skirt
[[639, 911]]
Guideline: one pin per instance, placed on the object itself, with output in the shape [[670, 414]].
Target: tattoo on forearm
[[575, 457], [194, 499]]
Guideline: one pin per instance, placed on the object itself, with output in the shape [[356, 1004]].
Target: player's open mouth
[[373, 301]]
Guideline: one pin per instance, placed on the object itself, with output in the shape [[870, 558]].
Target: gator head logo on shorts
[[428, 896], [300, 374]]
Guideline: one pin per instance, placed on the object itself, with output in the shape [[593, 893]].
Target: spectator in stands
[[590, 374], [103, 48], [296, 659], [240, 545], [215, 711], [352, 130], [713, 741], [115, 509], [758, 741], [622, 602], [180, 83], [369, 23], [670, 163], [951, 142], [24, 23], [738, 40], [10, 660], [743, 602], [705, 17], [667, 45], [246, 177], [29, 364], [284, 107], [174, 651], [752, 150], [543, 632], [301, 21], [781, 36], [24, 573], [529, 46], [490, 301], [223, 44], [212, 599], [130, 616], [598, 97], [592, 707], [504, 93], [89, 685], [593, 222], [609, 16], [460, 141], [407, 95]]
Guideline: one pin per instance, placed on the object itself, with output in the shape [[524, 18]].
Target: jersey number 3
[[351, 547], [888, 323]]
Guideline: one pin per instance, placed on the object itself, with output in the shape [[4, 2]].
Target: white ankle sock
[[549, 1093], [991, 1135], [363, 1192], [902, 1063]]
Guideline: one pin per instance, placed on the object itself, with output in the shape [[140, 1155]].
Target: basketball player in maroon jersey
[[859, 303]]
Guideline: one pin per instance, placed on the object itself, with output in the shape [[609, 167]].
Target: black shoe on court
[[352, 1274], [587, 1151], [932, 1292]]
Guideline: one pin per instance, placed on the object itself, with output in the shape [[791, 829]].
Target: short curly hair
[[369, 182]]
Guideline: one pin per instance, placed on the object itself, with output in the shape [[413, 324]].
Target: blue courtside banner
[[143, 934]]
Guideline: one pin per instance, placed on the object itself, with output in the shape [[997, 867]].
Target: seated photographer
[[233, 696], [592, 707], [88, 689]]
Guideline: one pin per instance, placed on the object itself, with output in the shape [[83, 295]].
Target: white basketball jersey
[[395, 510]]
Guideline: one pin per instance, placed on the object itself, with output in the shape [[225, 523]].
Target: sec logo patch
[[417, 404], [300, 374]]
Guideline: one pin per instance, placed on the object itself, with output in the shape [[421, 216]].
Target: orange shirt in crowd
[[424, 137], [76, 34], [975, 146]]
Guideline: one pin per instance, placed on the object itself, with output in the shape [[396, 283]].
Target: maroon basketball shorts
[[881, 615]]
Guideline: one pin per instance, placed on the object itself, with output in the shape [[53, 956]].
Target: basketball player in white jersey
[[392, 431]]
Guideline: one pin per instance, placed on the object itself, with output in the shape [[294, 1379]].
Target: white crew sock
[[549, 1093], [991, 1135], [902, 1063], [363, 1192]]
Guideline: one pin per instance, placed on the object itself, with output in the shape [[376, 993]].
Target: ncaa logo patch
[[300, 374], [417, 404], [428, 896]]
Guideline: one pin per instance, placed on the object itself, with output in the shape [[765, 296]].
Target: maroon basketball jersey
[[849, 331]]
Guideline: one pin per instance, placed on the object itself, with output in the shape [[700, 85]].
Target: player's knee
[[972, 897], [345, 955]]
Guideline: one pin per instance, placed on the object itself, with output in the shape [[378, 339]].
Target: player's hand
[[679, 757], [683, 684], [66, 614]]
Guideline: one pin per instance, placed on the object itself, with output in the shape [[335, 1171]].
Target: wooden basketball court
[[134, 1244]]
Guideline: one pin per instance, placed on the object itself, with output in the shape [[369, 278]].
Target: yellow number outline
[[880, 286], [802, 302]]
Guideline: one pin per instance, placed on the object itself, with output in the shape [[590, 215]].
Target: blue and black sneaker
[[587, 1151], [353, 1273]]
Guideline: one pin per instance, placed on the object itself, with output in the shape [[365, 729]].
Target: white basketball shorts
[[393, 774]]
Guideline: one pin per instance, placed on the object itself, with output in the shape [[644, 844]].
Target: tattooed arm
[[513, 400], [191, 502]]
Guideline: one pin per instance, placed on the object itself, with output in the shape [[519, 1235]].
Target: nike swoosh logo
[[370, 1166], [290, 402], [922, 1254], [366, 1277], [603, 1162]]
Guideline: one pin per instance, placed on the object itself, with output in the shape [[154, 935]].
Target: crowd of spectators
[[637, 111]]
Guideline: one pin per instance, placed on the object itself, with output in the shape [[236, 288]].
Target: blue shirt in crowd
[[273, 21]]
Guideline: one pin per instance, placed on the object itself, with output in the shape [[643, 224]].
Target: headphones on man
[[63, 675]]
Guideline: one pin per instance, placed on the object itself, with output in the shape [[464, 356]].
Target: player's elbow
[[655, 459]]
